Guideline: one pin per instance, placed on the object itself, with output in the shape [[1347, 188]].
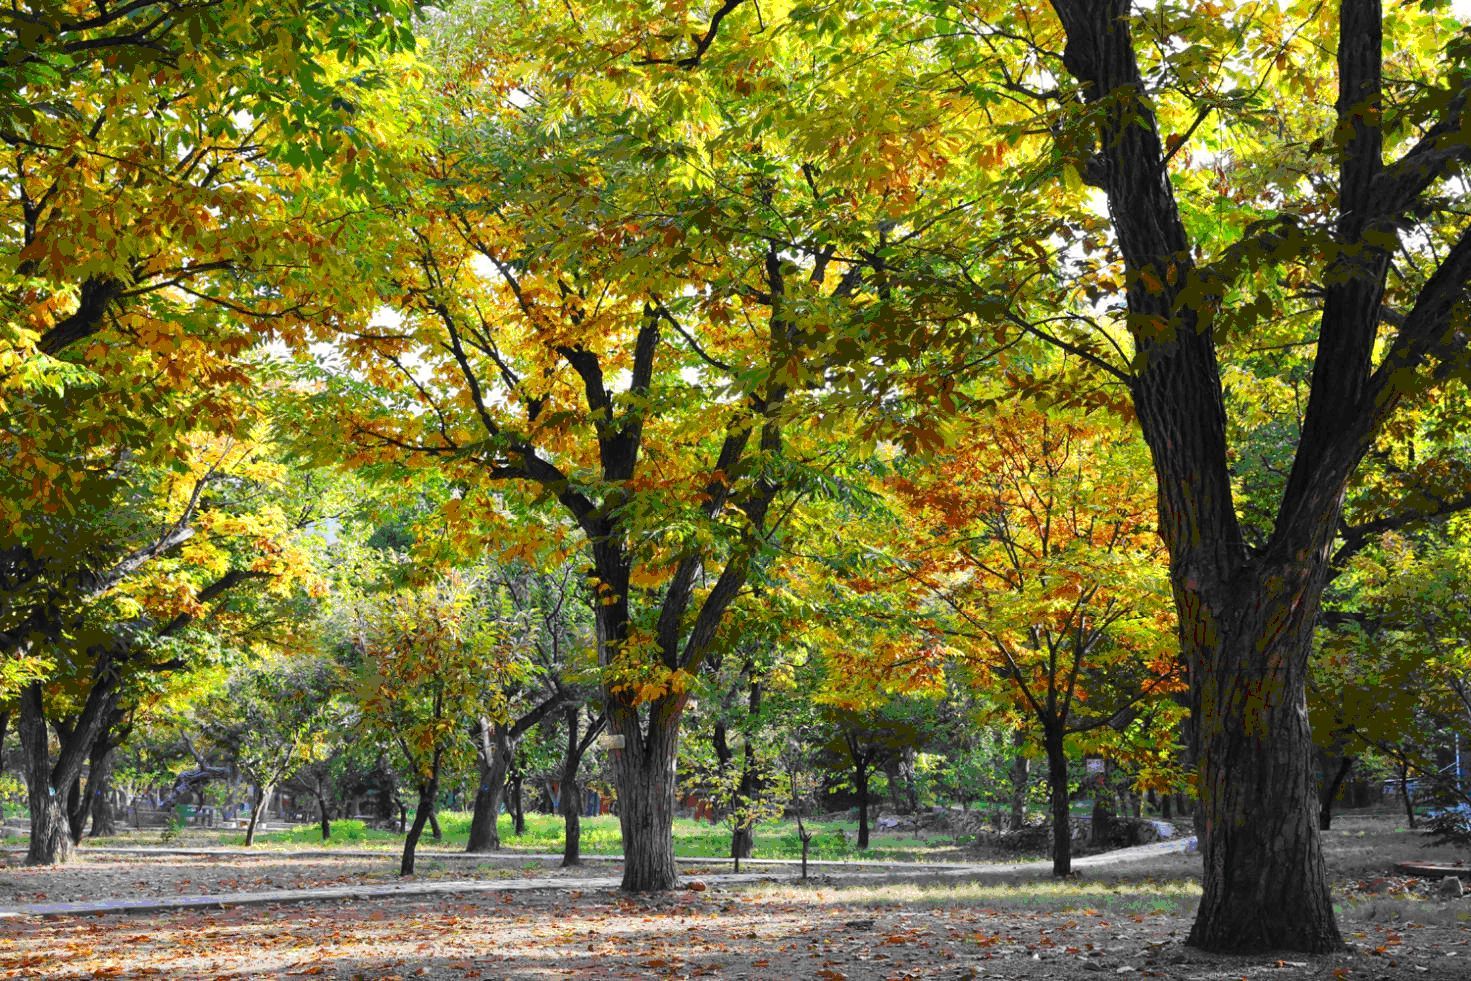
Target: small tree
[[270, 720], [1034, 547], [427, 653]]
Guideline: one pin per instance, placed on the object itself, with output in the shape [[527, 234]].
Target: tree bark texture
[[1246, 613], [645, 770]]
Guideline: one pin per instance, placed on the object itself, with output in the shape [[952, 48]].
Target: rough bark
[[1265, 884], [1246, 614], [99, 791], [645, 770], [1057, 786], [50, 842]]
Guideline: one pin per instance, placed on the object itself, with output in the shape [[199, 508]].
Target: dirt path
[[156, 901]]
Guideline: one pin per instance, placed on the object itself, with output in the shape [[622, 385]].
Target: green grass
[[601, 836]]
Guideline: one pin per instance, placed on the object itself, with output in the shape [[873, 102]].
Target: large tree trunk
[[860, 779], [644, 769], [1265, 885], [1057, 785], [99, 791], [493, 749], [1021, 778], [49, 785], [50, 842]]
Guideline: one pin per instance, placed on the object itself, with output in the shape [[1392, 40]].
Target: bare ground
[[1125, 923]]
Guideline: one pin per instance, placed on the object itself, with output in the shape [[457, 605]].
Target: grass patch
[[832, 840]]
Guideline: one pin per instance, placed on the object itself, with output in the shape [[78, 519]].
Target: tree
[[271, 720], [146, 144], [649, 357], [546, 604], [1034, 555], [427, 652], [1248, 597]]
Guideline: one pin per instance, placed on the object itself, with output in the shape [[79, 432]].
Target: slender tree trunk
[[570, 801], [494, 753], [425, 810], [1021, 778], [1330, 793], [326, 820], [518, 808], [1057, 785], [743, 835], [434, 829], [4, 727], [1404, 793], [645, 770], [1101, 820], [77, 810], [860, 777], [257, 811]]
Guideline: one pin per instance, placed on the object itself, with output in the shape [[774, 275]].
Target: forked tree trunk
[[1265, 885], [50, 842], [645, 768], [1057, 786], [570, 801]]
